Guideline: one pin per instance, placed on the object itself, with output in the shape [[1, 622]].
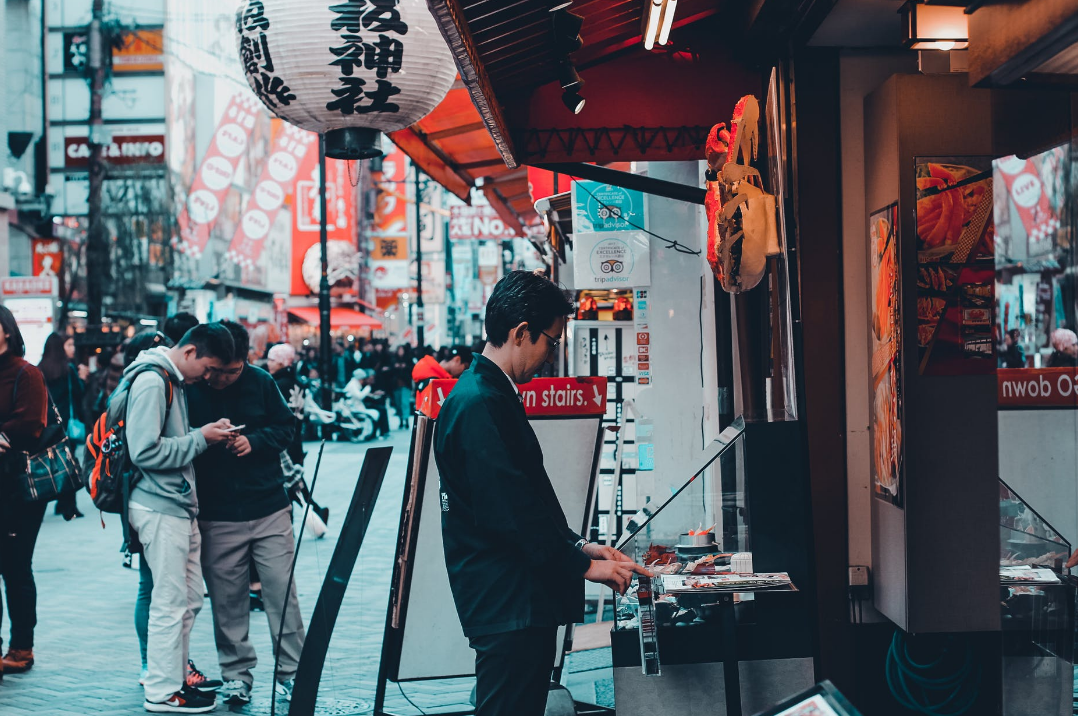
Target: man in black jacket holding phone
[[516, 569], [245, 517]]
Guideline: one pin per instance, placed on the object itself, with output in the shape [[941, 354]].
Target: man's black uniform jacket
[[510, 554]]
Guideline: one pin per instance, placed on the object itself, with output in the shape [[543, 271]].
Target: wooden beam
[[455, 131], [1009, 41]]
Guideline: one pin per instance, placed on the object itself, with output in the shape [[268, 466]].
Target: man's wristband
[[581, 543]]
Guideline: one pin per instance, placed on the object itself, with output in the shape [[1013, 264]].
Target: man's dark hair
[[1015, 334], [210, 339], [464, 352], [15, 344], [241, 340], [521, 297], [177, 326]]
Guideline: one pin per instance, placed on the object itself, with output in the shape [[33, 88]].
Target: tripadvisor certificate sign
[[611, 248]]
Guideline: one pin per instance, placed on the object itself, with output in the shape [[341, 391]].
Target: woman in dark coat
[[66, 388], [23, 410]]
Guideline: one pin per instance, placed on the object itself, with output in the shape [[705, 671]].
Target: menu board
[[955, 266]]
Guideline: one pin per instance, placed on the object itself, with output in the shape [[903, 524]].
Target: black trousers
[[19, 526], [512, 671]]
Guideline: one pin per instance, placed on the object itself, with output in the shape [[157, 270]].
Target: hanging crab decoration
[[741, 226]]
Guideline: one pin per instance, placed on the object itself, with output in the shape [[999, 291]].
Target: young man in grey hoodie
[[163, 506]]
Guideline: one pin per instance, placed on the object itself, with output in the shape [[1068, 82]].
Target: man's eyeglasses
[[554, 342]]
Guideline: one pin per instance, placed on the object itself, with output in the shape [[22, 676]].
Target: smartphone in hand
[[235, 428]]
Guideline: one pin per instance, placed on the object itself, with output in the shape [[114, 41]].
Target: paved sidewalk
[[87, 651]]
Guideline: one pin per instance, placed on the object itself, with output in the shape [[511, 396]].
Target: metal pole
[[420, 318], [323, 285], [97, 248]]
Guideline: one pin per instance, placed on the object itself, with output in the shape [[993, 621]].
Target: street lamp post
[[420, 318], [326, 361]]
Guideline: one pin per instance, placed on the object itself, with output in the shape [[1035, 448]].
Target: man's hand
[[240, 446], [217, 432], [1073, 560], [602, 551], [615, 574]]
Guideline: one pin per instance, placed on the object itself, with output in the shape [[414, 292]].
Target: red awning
[[339, 318], [453, 146]]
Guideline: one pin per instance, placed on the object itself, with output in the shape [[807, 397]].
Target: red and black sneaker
[[188, 701], [197, 680]]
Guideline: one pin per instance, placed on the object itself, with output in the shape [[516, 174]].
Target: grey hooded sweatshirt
[[163, 451]]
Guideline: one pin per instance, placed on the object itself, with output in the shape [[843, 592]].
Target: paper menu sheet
[[814, 706], [691, 582], [1024, 573]]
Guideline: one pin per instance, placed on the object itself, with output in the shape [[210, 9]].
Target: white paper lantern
[[348, 69]]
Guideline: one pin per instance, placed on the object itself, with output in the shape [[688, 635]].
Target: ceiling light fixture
[[573, 101], [934, 27], [567, 31], [568, 76], [560, 5], [651, 28], [667, 21]]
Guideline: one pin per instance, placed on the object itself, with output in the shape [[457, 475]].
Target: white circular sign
[[231, 140], [256, 224], [1026, 190], [202, 206], [1012, 164], [283, 166], [217, 173], [269, 195]]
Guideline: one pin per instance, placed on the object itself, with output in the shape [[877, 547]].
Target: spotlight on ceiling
[[568, 76], [560, 5], [573, 101], [567, 31]]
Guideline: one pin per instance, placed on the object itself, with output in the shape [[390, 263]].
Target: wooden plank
[[1009, 41]]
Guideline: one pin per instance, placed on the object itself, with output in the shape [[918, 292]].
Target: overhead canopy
[[453, 146], [640, 105], [339, 318]]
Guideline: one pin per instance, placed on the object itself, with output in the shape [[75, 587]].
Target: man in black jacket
[[246, 517], [516, 569]]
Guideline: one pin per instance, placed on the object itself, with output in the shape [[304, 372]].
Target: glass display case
[[1037, 600], [707, 616]]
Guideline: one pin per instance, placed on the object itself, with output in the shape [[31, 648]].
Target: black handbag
[[49, 469]]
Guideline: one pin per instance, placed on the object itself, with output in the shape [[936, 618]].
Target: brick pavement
[[87, 651]]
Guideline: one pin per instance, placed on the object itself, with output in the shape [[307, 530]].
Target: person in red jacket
[[429, 368]]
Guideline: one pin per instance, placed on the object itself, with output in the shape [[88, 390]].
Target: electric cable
[[948, 685], [288, 589], [413, 703]]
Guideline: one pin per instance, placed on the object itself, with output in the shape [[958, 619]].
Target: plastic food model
[[741, 225]]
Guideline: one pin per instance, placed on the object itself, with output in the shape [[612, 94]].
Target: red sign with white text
[[215, 175], [28, 286], [48, 257], [282, 166], [1038, 387], [564, 397], [340, 224]]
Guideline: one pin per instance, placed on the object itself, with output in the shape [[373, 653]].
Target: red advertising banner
[[542, 396], [27, 286], [48, 257], [1038, 387], [214, 177], [340, 224], [1026, 189], [290, 148], [477, 223]]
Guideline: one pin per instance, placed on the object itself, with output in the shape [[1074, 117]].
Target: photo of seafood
[[955, 249], [815, 706], [886, 413]]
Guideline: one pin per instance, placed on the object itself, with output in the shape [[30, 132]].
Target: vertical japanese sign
[[282, 166], [214, 177], [48, 257], [389, 234], [340, 225]]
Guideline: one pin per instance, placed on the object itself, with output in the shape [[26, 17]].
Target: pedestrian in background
[[163, 505], [402, 376], [245, 518], [280, 364], [1064, 349], [23, 413], [66, 388], [177, 326], [457, 360], [1012, 355], [101, 383]]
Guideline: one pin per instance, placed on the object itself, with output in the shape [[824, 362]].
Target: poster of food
[[955, 267], [886, 409]]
